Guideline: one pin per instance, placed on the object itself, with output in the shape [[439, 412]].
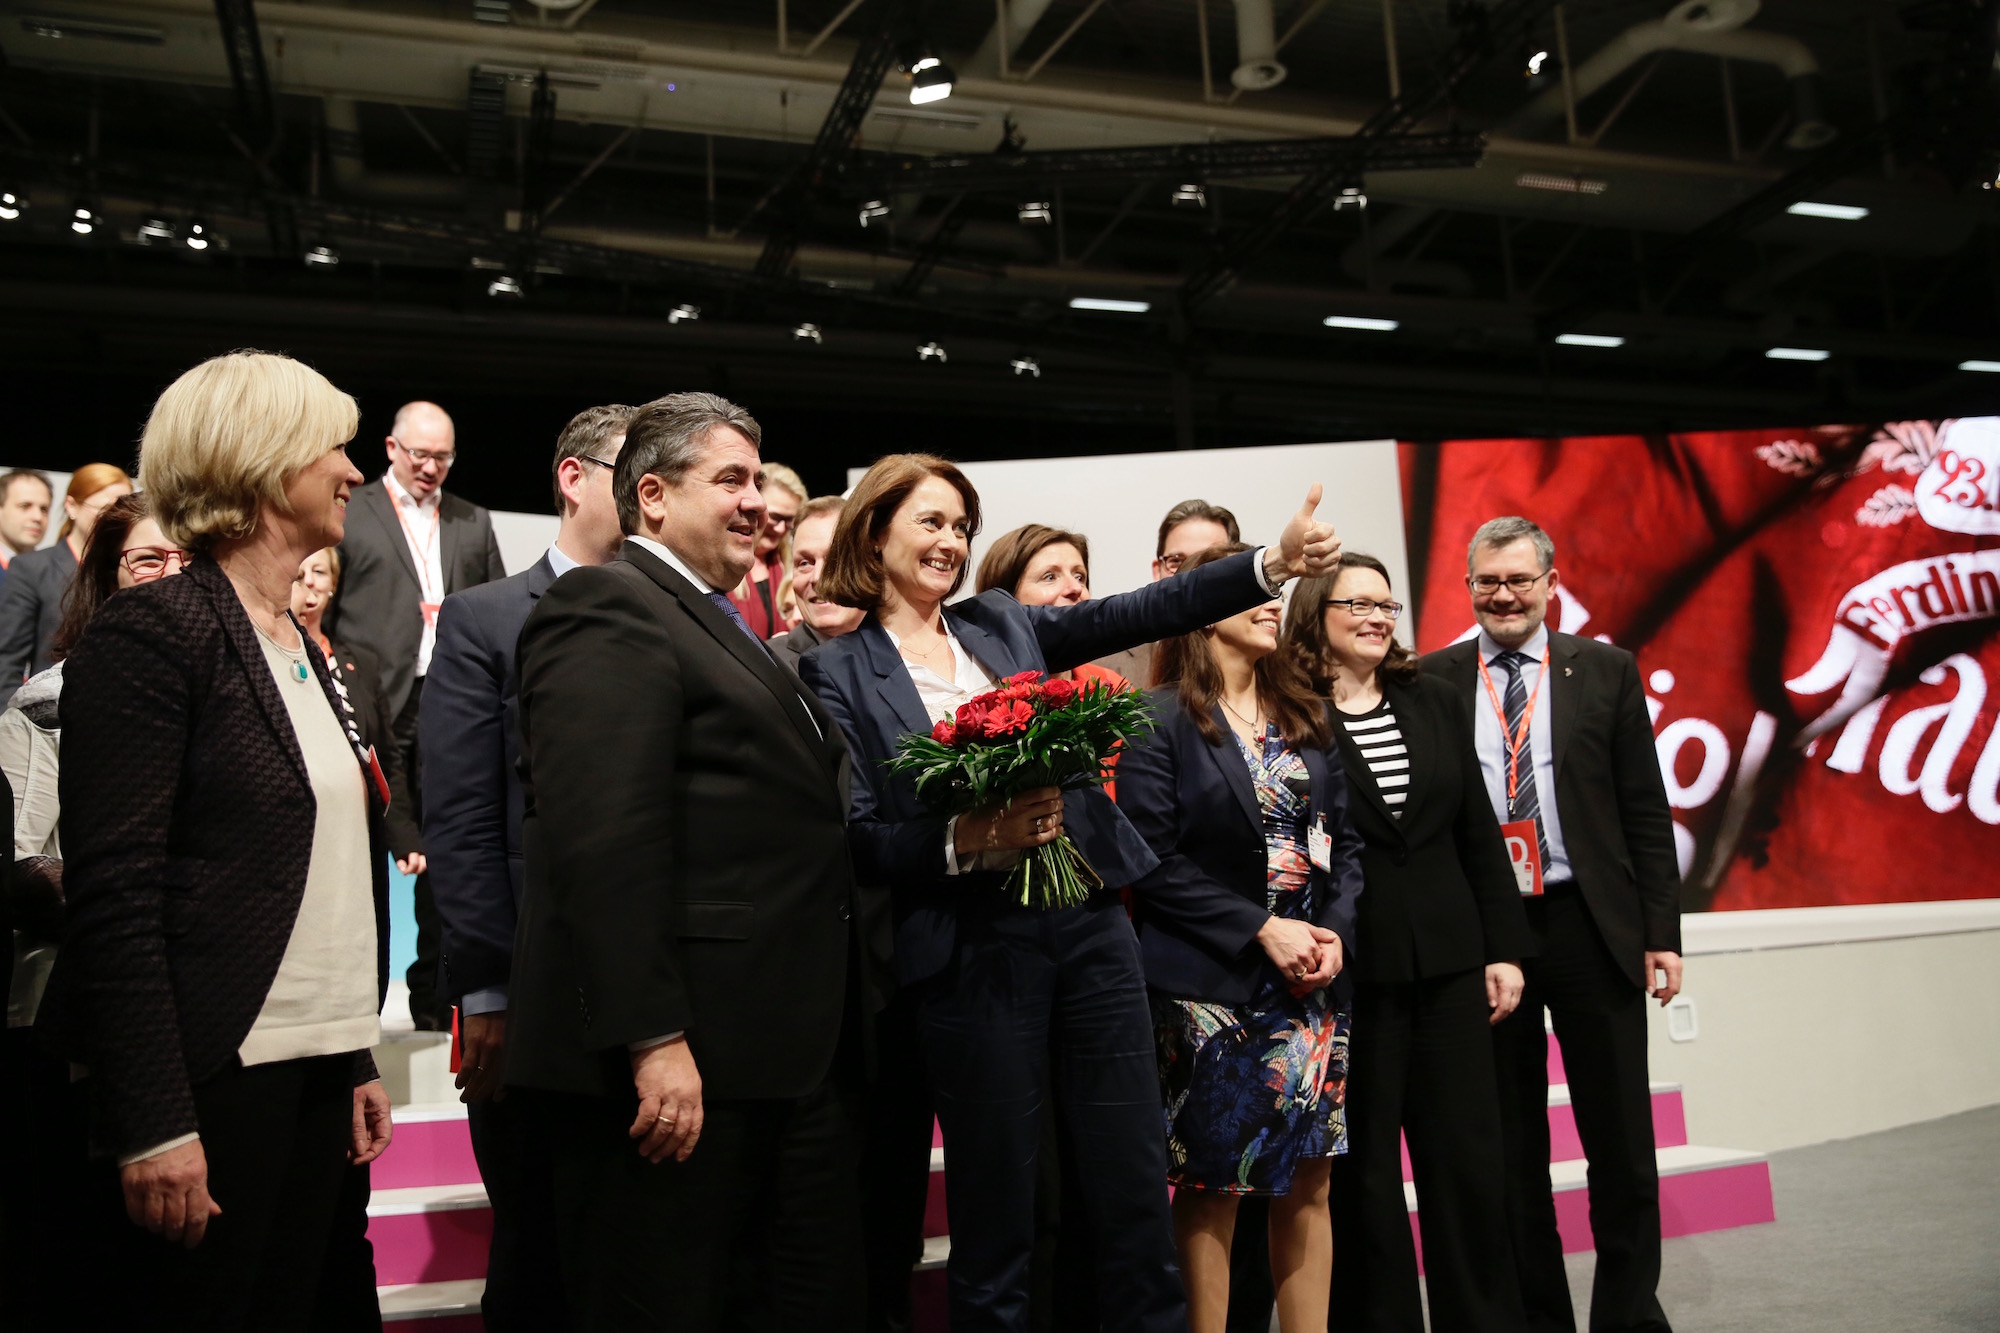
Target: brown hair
[[853, 574], [87, 481], [1006, 564], [1189, 510], [824, 504], [96, 575], [1187, 660], [1305, 629], [585, 434]]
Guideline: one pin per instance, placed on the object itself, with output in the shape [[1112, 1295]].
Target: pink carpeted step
[[432, 1146], [1669, 1124], [432, 1233]]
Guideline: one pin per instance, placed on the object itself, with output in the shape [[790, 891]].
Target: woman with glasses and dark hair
[[125, 548], [1444, 931]]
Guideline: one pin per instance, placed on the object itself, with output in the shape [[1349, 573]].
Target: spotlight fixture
[[322, 256], [873, 209], [197, 237], [1987, 367], [808, 333], [155, 229], [932, 351], [1536, 62], [1037, 211], [684, 312], [1806, 208], [1026, 365], [12, 205], [1190, 196], [1589, 340], [1107, 303], [1797, 353], [930, 81], [82, 219], [1350, 196], [1360, 322], [506, 285]]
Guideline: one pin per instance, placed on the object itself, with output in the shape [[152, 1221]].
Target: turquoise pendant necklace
[[300, 673]]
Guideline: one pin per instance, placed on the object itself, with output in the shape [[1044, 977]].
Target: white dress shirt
[[1489, 738], [422, 526], [941, 699]]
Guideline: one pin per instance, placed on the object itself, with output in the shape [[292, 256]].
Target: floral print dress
[[1253, 1090]]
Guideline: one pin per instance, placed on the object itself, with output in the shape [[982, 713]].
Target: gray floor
[[1896, 1232]]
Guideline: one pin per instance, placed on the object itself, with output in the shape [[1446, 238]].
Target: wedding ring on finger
[[666, 1120]]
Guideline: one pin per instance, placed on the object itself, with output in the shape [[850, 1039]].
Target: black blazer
[[1441, 893], [470, 734], [357, 671], [898, 840], [1200, 910], [30, 610], [187, 829], [379, 604], [687, 861], [1617, 829]]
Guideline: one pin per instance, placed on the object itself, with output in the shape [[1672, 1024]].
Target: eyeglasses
[[1363, 607], [1173, 560], [443, 459], [592, 458], [1488, 584], [146, 563]]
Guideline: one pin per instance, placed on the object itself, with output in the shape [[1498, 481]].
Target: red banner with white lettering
[[1816, 615]]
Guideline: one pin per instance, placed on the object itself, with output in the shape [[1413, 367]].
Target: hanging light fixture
[[1026, 365], [932, 351], [197, 237], [82, 218], [1190, 196], [1040, 211], [1350, 196], [322, 256], [873, 209], [930, 80], [507, 286], [12, 205], [155, 229], [808, 333], [684, 313]]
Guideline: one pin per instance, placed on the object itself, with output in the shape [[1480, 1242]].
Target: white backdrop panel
[[1117, 501]]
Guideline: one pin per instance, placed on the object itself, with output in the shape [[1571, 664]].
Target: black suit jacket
[[1441, 893], [30, 609], [187, 830], [470, 735], [357, 671], [379, 604], [1616, 826], [898, 840], [687, 860], [1200, 910]]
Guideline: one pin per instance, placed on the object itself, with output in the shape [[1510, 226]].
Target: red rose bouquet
[[1031, 732]]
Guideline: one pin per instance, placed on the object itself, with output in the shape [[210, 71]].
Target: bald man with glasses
[[409, 545]]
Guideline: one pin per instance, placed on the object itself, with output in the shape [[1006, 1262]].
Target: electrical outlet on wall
[[1682, 1022]]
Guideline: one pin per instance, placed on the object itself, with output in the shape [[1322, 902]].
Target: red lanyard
[[1518, 741], [423, 548]]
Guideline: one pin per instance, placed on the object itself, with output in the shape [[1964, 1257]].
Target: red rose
[[971, 716], [1024, 678], [944, 733], [1059, 693]]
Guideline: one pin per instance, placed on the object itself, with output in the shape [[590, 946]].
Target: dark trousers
[[428, 1010], [347, 1300], [45, 1213], [1062, 1275], [1600, 1018], [1422, 1066], [276, 1138], [524, 1288], [758, 1229], [1039, 1004], [895, 1166]]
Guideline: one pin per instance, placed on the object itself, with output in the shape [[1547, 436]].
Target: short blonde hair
[[227, 437]]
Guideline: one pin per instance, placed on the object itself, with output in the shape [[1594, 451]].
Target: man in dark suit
[[1566, 747], [471, 741], [686, 1001], [408, 546]]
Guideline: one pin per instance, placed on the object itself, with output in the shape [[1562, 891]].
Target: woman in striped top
[[1441, 934]]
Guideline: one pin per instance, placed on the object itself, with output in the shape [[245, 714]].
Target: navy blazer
[[1200, 910], [469, 733], [30, 610], [897, 839]]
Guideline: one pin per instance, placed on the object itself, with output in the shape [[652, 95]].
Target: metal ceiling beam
[[1192, 161], [1482, 33], [256, 106]]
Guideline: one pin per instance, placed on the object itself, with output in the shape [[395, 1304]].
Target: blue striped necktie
[[728, 608], [1527, 801]]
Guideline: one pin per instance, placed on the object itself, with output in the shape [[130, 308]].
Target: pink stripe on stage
[[427, 1152], [446, 1246]]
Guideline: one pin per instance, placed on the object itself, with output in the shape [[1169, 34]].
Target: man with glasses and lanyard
[[472, 830], [1566, 747], [408, 545]]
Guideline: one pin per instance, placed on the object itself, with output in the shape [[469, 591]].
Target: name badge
[[1319, 845], [1524, 849]]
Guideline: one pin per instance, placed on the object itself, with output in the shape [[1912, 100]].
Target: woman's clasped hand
[[1028, 820], [1309, 956]]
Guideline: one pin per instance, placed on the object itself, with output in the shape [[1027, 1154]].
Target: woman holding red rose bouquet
[[1013, 1005]]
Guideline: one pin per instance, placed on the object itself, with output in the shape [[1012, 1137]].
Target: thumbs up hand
[[1307, 547]]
